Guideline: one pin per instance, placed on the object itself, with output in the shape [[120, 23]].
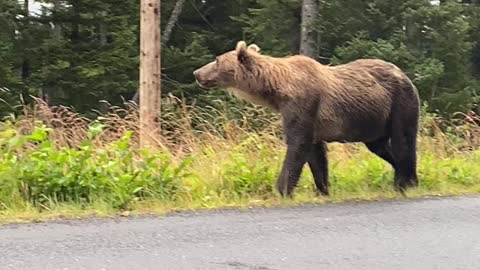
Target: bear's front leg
[[299, 138], [318, 162], [292, 168]]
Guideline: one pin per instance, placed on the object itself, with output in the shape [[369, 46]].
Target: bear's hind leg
[[382, 149], [404, 146]]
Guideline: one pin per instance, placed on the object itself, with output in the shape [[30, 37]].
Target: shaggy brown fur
[[367, 100]]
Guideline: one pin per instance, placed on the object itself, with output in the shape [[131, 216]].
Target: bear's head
[[222, 71]]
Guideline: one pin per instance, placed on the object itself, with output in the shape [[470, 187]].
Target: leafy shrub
[[35, 168], [251, 168]]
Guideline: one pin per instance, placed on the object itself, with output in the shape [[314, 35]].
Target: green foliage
[[10, 82], [442, 33], [114, 173], [433, 47], [243, 177], [393, 50], [280, 33], [90, 55]]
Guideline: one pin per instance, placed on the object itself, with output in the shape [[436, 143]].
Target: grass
[[56, 164]]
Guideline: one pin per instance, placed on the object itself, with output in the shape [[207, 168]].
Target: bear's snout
[[196, 74], [198, 77], [202, 82], [206, 76]]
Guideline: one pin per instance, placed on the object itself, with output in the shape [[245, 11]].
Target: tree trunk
[[410, 32], [309, 36], [177, 10], [25, 72], [75, 35], [149, 72], [57, 36], [57, 27], [102, 29]]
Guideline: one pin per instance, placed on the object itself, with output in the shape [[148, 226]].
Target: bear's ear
[[241, 46], [254, 47], [242, 52]]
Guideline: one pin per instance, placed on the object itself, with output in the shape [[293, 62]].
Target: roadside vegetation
[[54, 162]]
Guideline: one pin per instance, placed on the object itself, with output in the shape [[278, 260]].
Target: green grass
[[68, 171]]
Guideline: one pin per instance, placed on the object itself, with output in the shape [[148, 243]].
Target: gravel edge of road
[[220, 210]]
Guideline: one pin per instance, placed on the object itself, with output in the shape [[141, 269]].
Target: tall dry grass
[[187, 128]]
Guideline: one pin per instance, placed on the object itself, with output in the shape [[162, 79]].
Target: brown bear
[[368, 100]]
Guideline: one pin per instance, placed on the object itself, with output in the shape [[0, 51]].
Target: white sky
[[35, 7]]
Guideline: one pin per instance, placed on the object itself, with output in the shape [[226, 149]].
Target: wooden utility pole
[[149, 72], [177, 10]]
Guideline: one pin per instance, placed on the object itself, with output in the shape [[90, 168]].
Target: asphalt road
[[421, 234]]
